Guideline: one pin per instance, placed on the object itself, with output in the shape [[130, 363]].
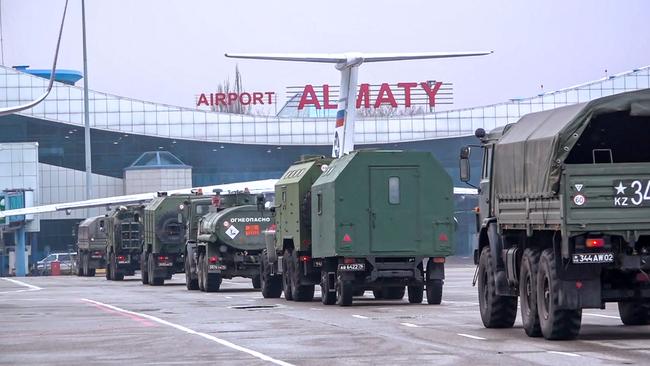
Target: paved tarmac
[[87, 321]]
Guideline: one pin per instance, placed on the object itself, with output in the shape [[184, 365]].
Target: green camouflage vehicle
[[230, 239], [123, 241], [371, 220], [91, 246], [564, 216], [165, 237]]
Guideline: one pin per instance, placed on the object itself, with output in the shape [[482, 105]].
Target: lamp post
[[87, 154]]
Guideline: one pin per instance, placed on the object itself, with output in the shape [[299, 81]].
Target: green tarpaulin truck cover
[[529, 156]]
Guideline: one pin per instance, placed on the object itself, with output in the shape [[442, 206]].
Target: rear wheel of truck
[[394, 293], [496, 311], [556, 324], [416, 294], [211, 281], [344, 292], [327, 288], [634, 312], [153, 280], [108, 272], [144, 276], [190, 283], [434, 292], [84, 265], [286, 280], [79, 269], [528, 292], [199, 272], [378, 294], [257, 282], [271, 284], [115, 274]]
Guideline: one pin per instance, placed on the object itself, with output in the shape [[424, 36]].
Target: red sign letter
[[202, 100], [431, 92], [389, 98], [407, 92], [270, 95], [326, 97], [313, 99], [364, 94]]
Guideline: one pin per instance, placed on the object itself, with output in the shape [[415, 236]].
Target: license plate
[[216, 267], [126, 261], [593, 258], [631, 192], [96, 256], [352, 267], [165, 264]]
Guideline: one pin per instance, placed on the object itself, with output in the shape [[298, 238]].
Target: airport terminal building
[[213, 148]]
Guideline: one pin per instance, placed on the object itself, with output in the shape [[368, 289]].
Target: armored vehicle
[[229, 241], [564, 216], [123, 241], [91, 245], [164, 238], [371, 220]]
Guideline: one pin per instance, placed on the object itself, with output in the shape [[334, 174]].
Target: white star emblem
[[620, 189]]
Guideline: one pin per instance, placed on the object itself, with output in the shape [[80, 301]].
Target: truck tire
[[257, 282], [556, 324], [190, 283], [394, 293], [199, 272], [416, 294], [144, 276], [528, 292], [79, 268], [212, 282], [84, 265], [327, 297], [153, 280], [634, 312], [286, 281], [117, 275], [344, 292], [378, 294], [496, 311], [271, 284], [108, 272], [434, 292]]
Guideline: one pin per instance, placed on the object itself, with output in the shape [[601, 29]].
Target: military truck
[[371, 220], [91, 246], [164, 238], [229, 241], [564, 216], [123, 241]]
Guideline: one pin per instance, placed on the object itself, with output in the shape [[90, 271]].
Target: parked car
[[67, 260]]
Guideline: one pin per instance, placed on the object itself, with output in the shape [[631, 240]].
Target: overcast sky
[[170, 51]]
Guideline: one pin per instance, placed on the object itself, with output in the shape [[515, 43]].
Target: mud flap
[[580, 294], [496, 248]]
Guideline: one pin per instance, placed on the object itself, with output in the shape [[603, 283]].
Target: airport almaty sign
[[402, 94]]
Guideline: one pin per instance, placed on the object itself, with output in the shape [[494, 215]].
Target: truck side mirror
[[465, 152]]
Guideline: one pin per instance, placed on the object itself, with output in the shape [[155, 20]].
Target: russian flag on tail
[[340, 118]]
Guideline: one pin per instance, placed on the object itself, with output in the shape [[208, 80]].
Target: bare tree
[[237, 88]]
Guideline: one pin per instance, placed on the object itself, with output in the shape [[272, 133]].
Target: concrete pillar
[[21, 269]]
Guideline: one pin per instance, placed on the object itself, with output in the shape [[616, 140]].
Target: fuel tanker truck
[[564, 216], [123, 241], [91, 246], [229, 241], [165, 236], [370, 220]]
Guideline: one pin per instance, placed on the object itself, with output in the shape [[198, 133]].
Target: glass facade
[[223, 148]]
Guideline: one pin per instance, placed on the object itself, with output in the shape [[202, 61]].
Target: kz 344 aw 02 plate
[[593, 258]]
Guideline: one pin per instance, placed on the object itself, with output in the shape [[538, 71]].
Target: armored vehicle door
[[394, 205]]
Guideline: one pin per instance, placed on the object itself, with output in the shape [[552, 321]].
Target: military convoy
[[371, 220], [123, 241], [91, 246], [228, 242], [564, 216]]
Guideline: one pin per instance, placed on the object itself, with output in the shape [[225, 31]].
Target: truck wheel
[[117, 275], [271, 284], [153, 280], [528, 292], [344, 292], [496, 311], [108, 271], [190, 283], [212, 281], [555, 323], [394, 293], [78, 262], [84, 265], [286, 281], [144, 276], [327, 297], [257, 282], [634, 312], [199, 272], [91, 272], [416, 294], [378, 294], [434, 292], [303, 292]]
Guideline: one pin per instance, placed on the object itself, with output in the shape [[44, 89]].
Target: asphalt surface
[[80, 321]]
